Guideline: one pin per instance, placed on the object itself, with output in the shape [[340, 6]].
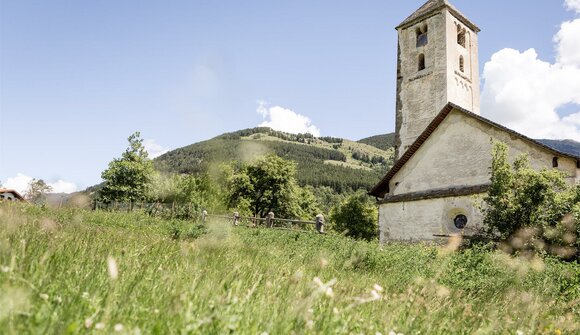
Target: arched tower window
[[555, 162], [421, 63], [461, 36], [461, 64], [422, 38]]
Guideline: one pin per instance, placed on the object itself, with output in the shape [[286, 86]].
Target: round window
[[460, 221]]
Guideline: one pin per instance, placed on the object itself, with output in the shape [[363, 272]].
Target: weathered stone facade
[[444, 148], [433, 68]]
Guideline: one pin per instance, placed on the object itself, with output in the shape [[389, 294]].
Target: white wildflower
[[100, 326], [377, 288], [325, 288], [375, 295], [118, 327], [43, 296], [88, 323], [112, 267], [58, 299], [85, 295], [519, 332], [329, 293], [309, 324], [5, 269]]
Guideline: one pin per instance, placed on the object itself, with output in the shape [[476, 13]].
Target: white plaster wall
[[420, 220], [458, 153]]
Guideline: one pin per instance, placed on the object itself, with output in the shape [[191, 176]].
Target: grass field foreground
[[74, 271]]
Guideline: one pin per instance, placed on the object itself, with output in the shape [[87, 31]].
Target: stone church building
[[443, 146]]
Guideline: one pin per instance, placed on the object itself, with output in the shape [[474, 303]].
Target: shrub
[[355, 217], [533, 210]]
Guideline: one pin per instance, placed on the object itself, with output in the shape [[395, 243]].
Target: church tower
[[437, 63]]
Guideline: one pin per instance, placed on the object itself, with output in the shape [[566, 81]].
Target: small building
[[10, 195], [443, 146]]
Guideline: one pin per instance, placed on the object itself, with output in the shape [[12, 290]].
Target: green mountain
[[567, 146], [383, 142], [323, 161]]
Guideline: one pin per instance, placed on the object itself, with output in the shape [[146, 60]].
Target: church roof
[[433, 6], [382, 187]]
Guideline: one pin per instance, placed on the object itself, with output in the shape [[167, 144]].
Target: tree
[[530, 205], [356, 217], [268, 185], [37, 189], [126, 178]]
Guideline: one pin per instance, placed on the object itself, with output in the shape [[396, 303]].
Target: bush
[[532, 210], [356, 217]]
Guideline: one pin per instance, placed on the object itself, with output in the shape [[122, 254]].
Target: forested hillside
[[326, 161], [383, 142]]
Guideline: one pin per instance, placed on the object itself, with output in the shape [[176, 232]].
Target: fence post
[[270, 220], [236, 218], [320, 223], [203, 216]]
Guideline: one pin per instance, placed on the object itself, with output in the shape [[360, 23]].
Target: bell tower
[[437, 63]]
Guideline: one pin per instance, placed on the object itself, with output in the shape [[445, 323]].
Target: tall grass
[[74, 271]]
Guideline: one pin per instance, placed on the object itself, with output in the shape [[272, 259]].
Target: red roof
[[16, 194]]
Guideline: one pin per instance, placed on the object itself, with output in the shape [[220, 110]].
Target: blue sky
[[78, 77]]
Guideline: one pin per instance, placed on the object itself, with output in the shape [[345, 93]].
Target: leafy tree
[[356, 217], [268, 185], [37, 189], [530, 205], [127, 178]]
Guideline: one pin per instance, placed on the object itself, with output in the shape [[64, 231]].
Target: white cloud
[[573, 5], [283, 119], [524, 92], [61, 186], [20, 184], [568, 43], [153, 148]]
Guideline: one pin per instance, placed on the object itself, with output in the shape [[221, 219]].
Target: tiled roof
[[382, 188], [435, 5]]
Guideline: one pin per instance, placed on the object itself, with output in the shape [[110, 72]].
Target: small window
[[461, 36], [422, 38], [578, 163], [460, 221], [555, 162], [461, 64], [421, 65]]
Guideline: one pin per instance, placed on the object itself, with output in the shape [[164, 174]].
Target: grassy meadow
[[81, 272]]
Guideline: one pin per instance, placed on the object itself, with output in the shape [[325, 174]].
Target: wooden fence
[[188, 212], [270, 221]]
